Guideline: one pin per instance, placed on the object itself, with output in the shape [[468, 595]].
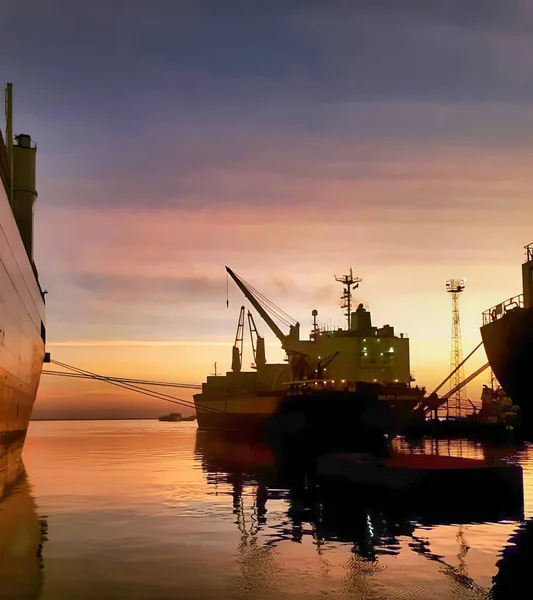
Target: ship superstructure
[[330, 360], [507, 333], [22, 307]]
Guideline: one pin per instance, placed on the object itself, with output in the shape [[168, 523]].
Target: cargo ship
[[336, 377], [507, 334], [22, 304]]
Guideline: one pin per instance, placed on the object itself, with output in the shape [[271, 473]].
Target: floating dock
[[465, 428], [461, 488]]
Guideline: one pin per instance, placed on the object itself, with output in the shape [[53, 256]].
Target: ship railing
[[498, 311], [529, 252], [309, 386], [317, 334]]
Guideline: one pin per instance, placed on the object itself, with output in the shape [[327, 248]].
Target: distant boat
[[177, 417]]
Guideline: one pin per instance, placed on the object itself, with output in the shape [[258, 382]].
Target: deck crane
[[323, 363], [289, 342], [448, 377], [262, 305], [433, 402], [236, 358], [258, 343], [465, 381]]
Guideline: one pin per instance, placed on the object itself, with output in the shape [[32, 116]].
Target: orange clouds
[[406, 221]]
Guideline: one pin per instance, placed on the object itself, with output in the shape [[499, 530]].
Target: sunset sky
[[287, 139]]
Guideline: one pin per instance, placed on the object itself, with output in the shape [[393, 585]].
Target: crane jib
[[257, 305]]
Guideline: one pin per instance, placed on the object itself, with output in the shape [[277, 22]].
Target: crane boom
[[465, 381], [435, 402], [448, 377], [266, 317]]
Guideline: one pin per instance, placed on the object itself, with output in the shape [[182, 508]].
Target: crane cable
[[269, 306], [82, 373], [274, 308]]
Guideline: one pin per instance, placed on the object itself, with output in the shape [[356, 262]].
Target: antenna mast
[[348, 281], [456, 401]]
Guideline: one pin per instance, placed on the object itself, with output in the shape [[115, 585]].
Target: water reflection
[[373, 525], [22, 535], [154, 510], [513, 579]]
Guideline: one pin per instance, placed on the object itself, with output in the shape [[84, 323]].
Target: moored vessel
[[353, 377], [507, 333], [22, 306]]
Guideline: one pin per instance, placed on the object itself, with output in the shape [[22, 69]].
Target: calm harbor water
[[143, 509]]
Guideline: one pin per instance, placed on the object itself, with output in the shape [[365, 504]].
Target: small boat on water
[[177, 417]]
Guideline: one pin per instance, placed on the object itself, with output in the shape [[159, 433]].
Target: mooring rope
[[190, 386], [128, 385]]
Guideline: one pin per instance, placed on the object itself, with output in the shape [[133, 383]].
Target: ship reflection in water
[[372, 525], [22, 535], [141, 510]]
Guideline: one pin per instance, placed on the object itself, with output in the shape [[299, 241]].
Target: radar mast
[[348, 281]]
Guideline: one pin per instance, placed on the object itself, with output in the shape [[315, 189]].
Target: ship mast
[[348, 281], [9, 136]]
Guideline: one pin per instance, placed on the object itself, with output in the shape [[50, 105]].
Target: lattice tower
[[456, 404]]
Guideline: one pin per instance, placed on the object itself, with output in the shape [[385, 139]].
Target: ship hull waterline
[[332, 419], [239, 413]]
